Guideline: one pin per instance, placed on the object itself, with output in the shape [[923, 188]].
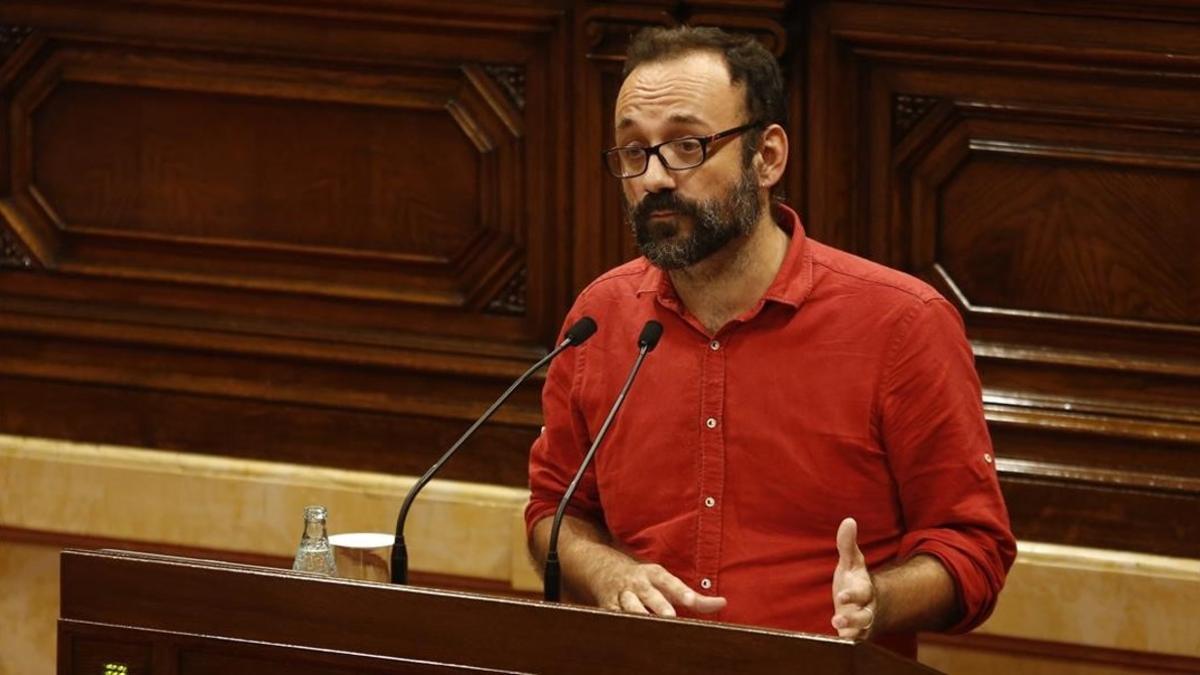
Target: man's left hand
[[854, 600]]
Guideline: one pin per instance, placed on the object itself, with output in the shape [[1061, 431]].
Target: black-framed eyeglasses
[[689, 152]]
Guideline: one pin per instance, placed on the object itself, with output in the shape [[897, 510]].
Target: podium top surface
[[235, 604]]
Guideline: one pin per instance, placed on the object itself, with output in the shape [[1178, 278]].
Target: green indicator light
[[116, 669]]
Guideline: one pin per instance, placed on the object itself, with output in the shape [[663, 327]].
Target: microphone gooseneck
[[578, 332], [552, 577]]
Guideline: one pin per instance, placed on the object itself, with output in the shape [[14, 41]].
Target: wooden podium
[[128, 613]]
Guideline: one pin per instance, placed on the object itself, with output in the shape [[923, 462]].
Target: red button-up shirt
[[848, 390]]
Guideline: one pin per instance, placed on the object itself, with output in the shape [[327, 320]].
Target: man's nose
[[657, 178]]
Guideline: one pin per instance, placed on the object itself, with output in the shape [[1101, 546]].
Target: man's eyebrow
[[686, 118]]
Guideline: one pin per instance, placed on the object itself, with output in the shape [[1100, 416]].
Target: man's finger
[[854, 623], [849, 555], [680, 595], [857, 593], [654, 601], [707, 604], [630, 603]]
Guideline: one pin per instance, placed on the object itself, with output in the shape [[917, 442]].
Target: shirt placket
[[712, 465]]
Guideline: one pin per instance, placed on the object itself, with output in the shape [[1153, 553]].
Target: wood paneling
[[331, 231], [395, 183], [984, 654], [1043, 171], [310, 231], [215, 214], [216, 605]]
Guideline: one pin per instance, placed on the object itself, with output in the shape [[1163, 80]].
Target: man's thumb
[[847, 544]]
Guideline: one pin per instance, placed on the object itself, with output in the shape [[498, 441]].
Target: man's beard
[[715, 223]]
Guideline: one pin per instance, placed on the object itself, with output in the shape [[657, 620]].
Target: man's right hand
[[596, 572], [639, 588]]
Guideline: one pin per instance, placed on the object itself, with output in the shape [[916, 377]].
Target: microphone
[[647, 341], [576, 335]]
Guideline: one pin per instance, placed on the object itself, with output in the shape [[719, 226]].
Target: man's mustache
[[662, 201]]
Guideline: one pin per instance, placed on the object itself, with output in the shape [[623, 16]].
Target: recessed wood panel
[[1079, 238], [215, 215], [402, 182], [237, 168], [109, 655]]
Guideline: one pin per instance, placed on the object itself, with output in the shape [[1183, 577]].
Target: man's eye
[[632, 152], [688, 145]]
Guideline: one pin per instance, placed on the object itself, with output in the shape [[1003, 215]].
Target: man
[[805, 449]]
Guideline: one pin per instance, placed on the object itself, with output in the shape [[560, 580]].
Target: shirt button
[[987, 457], [711, 423], [710, 502], [706, 584], [714, 345]]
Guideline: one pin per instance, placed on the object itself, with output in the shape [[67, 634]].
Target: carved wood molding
[[907, 111], [511, 79], [608, 31], [513, 299], [974, 131], [11, 37], [12, 253], [417, 271], [1100, 476], [767, 29]]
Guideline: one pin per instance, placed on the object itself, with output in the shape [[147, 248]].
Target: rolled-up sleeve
[[939, 450], [559, 449]]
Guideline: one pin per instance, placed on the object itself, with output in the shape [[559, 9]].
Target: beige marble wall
[[226, 504], [1060, 594], [28, 608], [249, 506], [1107, 599]]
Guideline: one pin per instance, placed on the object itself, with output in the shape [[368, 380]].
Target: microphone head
[[581, 330], [651, 333]]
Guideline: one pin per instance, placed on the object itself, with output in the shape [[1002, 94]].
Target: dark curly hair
[[749, 63]]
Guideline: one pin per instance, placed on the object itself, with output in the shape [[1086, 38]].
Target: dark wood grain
[[1032, 234], [1063, 655], [332, 232], [97, 648], [338, 176], [180, 598], [390, 443], [1039, 166]]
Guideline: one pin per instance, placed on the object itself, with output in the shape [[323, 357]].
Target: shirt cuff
[[976, 586], [538, 509]]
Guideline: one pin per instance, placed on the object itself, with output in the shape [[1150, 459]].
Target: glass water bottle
[[315, 554]]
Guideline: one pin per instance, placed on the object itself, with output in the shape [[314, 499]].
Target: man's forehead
[[674, 117], [693, 88]]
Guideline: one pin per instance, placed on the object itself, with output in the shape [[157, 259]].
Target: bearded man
[[806, 447]]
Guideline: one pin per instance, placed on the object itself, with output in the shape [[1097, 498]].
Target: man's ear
[[772, 156]]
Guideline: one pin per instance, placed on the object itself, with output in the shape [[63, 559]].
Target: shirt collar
[[792, 283]]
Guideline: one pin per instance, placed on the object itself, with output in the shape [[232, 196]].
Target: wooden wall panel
[[397, 184], [318, 232], [250, 171], [1042, 171], [331, 231]]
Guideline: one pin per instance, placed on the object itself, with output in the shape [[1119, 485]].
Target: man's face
[[681, 217]]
